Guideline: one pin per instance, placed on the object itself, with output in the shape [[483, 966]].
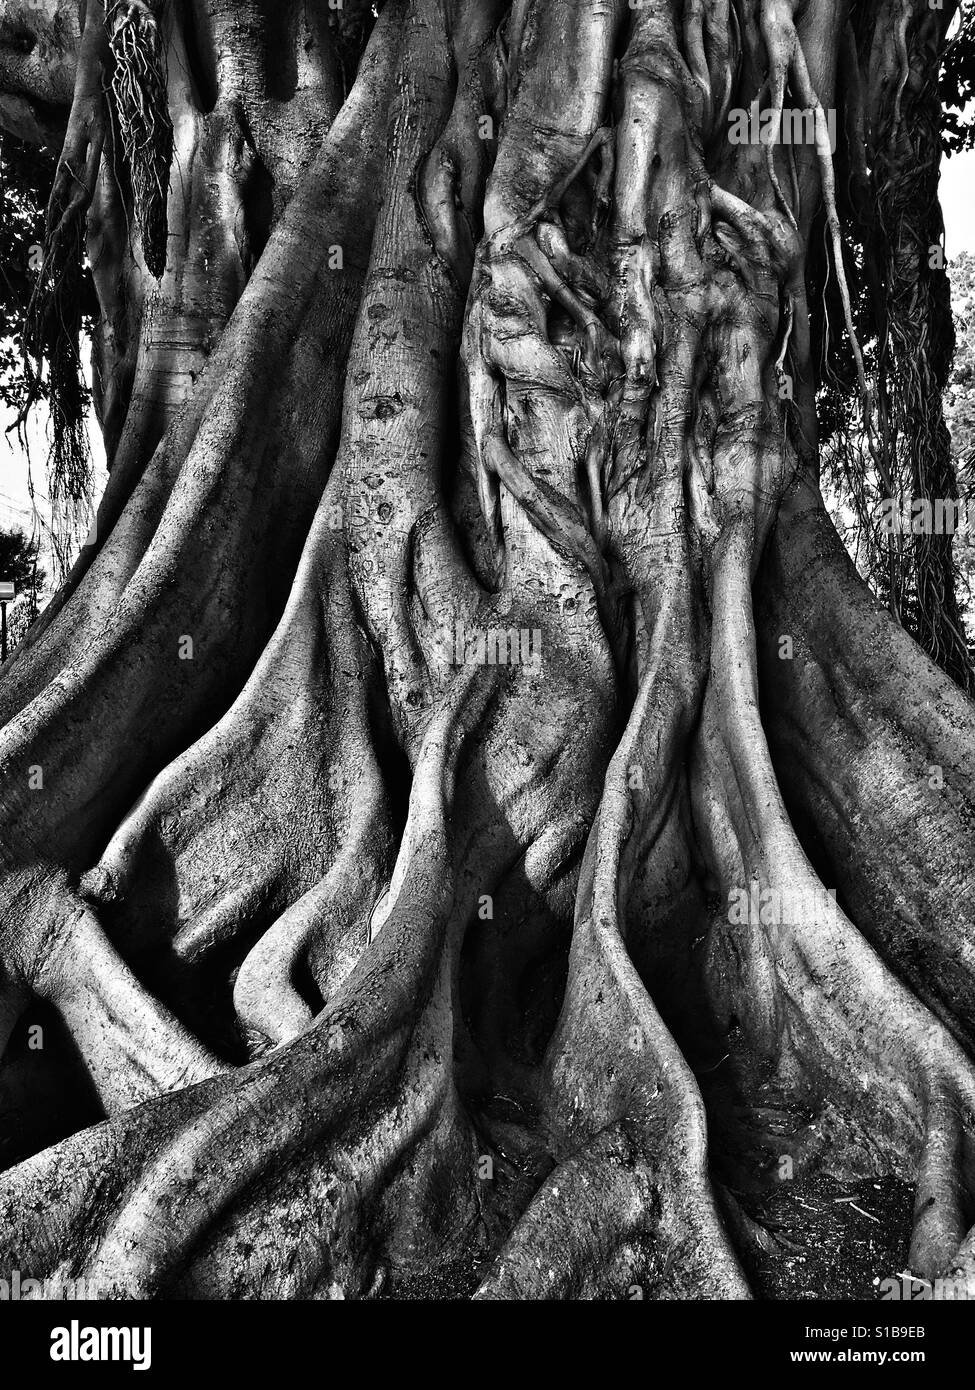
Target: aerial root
[[142, 116], [52, 322], [787, 61]]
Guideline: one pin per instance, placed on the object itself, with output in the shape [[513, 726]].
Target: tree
[[466, 825], [19, 565], [18, 560]]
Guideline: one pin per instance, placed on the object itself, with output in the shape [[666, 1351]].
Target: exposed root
[[131, 1045], [313, 807], [626, 1119], [809, 997], [874, 752]]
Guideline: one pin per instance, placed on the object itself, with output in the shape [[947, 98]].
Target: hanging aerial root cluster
[[53, 320], [52, 345], [142, 118]]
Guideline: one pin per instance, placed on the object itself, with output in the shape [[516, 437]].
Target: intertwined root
[[509, 1037], [142, 118]]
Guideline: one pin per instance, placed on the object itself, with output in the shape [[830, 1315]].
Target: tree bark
[[415, 831]]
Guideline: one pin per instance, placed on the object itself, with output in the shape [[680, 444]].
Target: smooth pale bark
[[397, 970]]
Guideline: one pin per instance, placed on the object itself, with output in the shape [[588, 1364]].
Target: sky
[[958, 202], [15, 504], [16, 508]]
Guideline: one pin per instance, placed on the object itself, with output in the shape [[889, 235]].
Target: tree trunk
[[465, 827]]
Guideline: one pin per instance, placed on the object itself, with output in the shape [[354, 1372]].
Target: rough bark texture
[[366, 963]]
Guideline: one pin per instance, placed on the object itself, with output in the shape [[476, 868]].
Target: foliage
[[960, 418], [26, 176], [19, 555], [18, 560], [957, 86], [57, 324]]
